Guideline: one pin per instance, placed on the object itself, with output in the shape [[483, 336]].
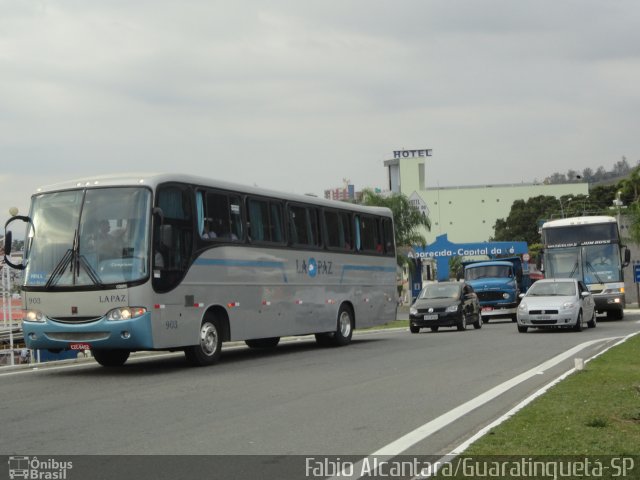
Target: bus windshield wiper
[[74, 260], [594, 271]]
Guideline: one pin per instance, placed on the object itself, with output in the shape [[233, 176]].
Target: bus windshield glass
[[594, 263], [88, 238]]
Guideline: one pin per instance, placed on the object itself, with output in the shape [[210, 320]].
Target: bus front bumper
[[132, 334]]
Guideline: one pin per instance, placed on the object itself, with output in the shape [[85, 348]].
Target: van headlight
[[125, 313]]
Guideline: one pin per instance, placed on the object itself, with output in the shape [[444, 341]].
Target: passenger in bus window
[[208, 232]]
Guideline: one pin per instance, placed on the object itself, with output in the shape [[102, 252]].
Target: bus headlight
[[125, 313], [33, 316]]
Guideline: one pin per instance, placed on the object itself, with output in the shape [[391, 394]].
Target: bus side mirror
[[166, 236], [627, 257], [7, 243], [8, 240]]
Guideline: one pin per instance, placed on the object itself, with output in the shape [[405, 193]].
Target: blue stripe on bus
[[243, 263], [366, 268]]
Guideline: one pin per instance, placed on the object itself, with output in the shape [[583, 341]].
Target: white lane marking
[[424, 431]]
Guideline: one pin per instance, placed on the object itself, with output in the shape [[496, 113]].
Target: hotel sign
[[412, 153]]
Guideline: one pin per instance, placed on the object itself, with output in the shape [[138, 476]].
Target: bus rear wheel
[[207, 352], [344, 330], [111, 358]]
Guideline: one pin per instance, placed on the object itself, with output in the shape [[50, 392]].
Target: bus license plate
[[79, 346], [431, 317]]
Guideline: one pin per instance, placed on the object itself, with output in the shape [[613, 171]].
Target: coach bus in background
[[176, 262], [589, 249]]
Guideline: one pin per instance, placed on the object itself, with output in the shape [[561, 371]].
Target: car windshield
[[552, 289], [92, 237], [440, 291]]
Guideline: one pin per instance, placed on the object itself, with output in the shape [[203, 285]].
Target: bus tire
[[271, 342], [111, 358], [207, 352], [344, 330]]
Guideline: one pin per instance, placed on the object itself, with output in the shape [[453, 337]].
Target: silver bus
[[588, 249], [175, 262]]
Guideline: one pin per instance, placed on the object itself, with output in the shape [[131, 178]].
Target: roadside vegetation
[[595, 411]]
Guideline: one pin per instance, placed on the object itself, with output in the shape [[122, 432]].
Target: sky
[[298, 95]]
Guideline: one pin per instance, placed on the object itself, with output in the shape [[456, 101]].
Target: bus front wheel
[[207, 352], [111, 358]]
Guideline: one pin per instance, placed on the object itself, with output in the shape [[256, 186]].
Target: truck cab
[[498, 284]]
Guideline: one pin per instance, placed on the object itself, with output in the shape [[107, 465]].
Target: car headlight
[[125, 313], [452, 308], [33, 316], [413, 310], [505, 295], [522, 307], [569, 305]]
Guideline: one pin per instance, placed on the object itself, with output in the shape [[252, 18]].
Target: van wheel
[[207, 352], [111, 358]]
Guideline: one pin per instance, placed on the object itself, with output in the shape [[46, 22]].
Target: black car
[[445, 304]]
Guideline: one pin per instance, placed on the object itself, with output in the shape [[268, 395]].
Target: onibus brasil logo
[[38, 469]]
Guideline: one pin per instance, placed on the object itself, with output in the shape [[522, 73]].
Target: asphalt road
[[389, 391]]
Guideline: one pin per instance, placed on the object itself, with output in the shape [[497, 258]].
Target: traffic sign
[[636, 273]]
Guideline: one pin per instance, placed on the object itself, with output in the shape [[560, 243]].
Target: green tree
[[407, 221]]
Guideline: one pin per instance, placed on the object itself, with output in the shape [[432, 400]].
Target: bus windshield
[[594, 263], [88, 238]]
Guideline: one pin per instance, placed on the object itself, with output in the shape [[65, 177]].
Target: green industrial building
[[465, 213]]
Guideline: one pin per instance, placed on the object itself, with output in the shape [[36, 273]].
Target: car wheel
[[434, 329], [478, 323], [414, 329], [463, 323], [522, 329], [593, 322], [578, 325]]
